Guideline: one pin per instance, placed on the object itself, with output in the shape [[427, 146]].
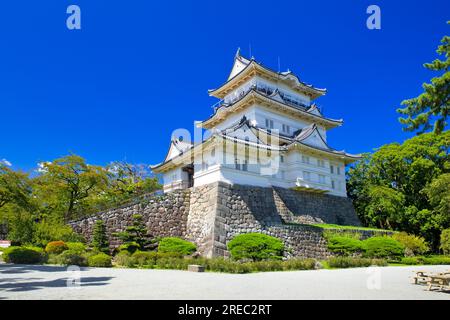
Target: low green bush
[[176, 245], [256, 246], [24, 255], [69, 257], [99, 260], [383, 247], [77, 247], [349, 262], [421, 260], [56, 247], [299, 264], [414, 245], [131, 247], [124, 259], [344, 245], [144, 258]]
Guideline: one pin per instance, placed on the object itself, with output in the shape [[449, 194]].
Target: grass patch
[[337, 226]]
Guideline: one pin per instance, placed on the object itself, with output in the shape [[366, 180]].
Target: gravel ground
[[50, 282]]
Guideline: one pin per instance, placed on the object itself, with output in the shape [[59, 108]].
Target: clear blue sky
[[138, 70]]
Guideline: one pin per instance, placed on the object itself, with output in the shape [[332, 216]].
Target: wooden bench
[[420, 277], [442, 281]]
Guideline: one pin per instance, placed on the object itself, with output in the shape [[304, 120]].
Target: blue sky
[[137, 70]]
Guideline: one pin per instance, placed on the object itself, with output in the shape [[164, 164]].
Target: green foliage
[[431, 260], [144, 258], [433, 103], [136, 237], [345, 245], [414, 245], [445, 241], [15, 188], [77, 247], [46, 231], [383, 247], [23, 255], [405, 187], [100, 260], [56, 247], [99, 237], [256, 246], [21, 228], [69, 257], [348, 262], [177, 245]]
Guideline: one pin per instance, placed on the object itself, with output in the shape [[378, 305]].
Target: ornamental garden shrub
[[176, 245], [24, 255], [343, 245], [256, 247], [445, 241], [383, 247], [99, 260], [69, 257], [136, 236], [144, 258], [99, 237], [77, 247], [349, 262], [414, 245], [56, 247]]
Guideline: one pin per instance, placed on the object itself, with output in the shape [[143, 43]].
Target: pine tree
[[136, 237], [99, 237]]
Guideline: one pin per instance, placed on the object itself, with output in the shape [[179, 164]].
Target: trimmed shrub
[[77, 247], [99, 260], [256, 246], [99, 237], [176, 245], [23, 255], [56, 247], [383, 247], [414, 245], [144, 258], [431, 260], [348, 262], [124, 259], [445, 241], [69, 257], [345, 245], [130, 247]]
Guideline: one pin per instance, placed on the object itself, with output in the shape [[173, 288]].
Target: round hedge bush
[[23, 255], [256, 246], [77, 247], [345, 245], [176, 245], [56, 247], [383, 247], [99, 260]]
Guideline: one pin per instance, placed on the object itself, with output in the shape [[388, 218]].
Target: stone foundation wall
[[163, 215], [211, 215]]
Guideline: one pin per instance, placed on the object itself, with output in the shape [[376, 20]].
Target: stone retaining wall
[[211, 215]]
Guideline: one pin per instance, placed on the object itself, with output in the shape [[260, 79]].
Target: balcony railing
[[267, 91]]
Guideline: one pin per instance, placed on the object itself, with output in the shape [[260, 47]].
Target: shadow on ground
[[28, 284]]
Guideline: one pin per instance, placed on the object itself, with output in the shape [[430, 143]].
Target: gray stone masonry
[[211, 215]]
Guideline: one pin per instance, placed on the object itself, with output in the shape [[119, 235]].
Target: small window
[[286, 128], [332, 169], [282, 159], [321, 178], [269, 124], [306, 175], [333, 184], [320, 163], [305, 159], [338, 170], [245, 165]]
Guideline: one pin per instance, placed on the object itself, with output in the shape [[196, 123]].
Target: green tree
[[70, 186], [433, 103], [405, 187], [99, 237], [15, 187], [136, 237], [128, 181]]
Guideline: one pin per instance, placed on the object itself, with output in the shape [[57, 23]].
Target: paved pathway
[[50, 282]]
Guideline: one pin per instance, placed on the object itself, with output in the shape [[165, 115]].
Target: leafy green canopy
[[433, 103], [405, 187]]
